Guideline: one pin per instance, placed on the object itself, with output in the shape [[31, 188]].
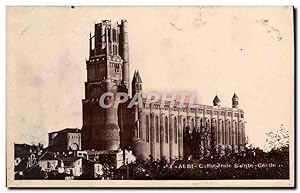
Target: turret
[[124, 51], [136, 84], [235, 101], [216, 101]]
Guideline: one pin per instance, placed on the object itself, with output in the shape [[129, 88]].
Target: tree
[[277, 140]]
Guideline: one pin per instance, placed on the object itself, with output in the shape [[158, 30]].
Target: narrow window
[[223, 132], [166, 130], [157, 129], [147, 128], [114, 35], [175, 129], [115, 52]]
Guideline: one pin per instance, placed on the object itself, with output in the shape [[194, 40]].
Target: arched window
[[241, 133], [233, 138], [229, 133], [175, 129], [157, 129], [192, 124], [223, 133], [202, 123], [213, 123], [166, 130], [114, 35], [147, 128], [198, 124], [115, 50], [109, 35], [236, 133], [207, 124]]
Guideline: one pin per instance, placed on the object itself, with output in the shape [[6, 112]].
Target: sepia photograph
[[165, 97]]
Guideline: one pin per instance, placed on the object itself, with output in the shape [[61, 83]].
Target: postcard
[[150, 97]]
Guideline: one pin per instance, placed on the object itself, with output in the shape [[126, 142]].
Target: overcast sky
[[208, 51]]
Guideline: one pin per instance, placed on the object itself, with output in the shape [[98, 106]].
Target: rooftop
[[68, 130]]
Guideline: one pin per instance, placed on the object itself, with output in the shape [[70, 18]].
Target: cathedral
[[171, 131]]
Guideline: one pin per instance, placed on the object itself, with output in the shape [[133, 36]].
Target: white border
[[5, 3]]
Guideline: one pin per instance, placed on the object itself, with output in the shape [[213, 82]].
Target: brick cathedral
[[174, 132]]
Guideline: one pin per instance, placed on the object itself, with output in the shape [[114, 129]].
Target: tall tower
[[105, 74]]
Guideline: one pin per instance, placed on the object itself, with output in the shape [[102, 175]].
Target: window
[[114, 35], [175, 129], [157, 129], [223, 131], [207, 124], [166, 130], [242, 115], [115, 50], [213, 124], [108, 35], [192, 123], [48, 164], [147, 128]]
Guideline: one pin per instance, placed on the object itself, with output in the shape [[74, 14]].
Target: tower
[[106, 71], [235, 101], [216, 101], [124, 51], [136, 84]]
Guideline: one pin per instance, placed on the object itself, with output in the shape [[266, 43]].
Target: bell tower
[[108, 56]]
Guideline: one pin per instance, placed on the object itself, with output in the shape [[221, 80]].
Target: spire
[[235, 101], [136, 83], [134, 76], [235, 96], [217, 101], [138, 77]]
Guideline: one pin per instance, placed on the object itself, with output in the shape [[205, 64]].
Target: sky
[[202, 50]]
